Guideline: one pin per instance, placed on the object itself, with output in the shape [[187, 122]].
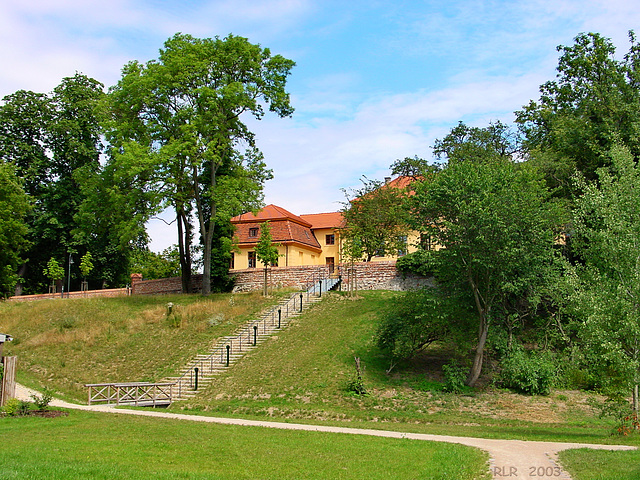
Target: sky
[[374, 81]]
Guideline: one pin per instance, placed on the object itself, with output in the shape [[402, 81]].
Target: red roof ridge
[[268, 213]]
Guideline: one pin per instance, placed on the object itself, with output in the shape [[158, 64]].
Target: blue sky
[[375, 80]]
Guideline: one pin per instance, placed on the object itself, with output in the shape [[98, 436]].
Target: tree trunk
[[483, 330], [476, 368], [635, 399], [184, 249], [266, 293]]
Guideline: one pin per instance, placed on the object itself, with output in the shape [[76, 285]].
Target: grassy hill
[[300, 374], [67, 343]]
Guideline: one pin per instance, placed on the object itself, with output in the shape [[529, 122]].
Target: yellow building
[[303, 240]]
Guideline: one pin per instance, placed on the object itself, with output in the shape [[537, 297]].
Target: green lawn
[[587, 464], [110, 447]]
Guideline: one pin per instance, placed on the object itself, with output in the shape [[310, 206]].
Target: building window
[[426, 242], [253, 232], [403, 250], [232, 261], [330, 239], [252, 259]]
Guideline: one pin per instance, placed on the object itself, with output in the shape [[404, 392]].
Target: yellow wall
[[297, 255]]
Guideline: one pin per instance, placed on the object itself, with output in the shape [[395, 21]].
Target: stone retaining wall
[[369, 276]]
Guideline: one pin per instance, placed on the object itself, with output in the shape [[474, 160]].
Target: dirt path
[[510, 459]]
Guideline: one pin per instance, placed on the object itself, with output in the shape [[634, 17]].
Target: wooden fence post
[[8, 384]]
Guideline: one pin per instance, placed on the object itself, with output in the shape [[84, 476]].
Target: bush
[[454, 378], [42, 402], [529, 373], [415, 320], [16, 408]]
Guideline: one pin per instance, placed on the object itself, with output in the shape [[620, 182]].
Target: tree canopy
[[14, 207], [376, 223], [184, 112], [495, 225], [592, 104], [605, 293]]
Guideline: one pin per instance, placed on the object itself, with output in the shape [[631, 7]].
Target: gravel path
[[509, 459]]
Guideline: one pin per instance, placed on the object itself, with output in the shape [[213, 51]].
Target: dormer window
[[253, 232]]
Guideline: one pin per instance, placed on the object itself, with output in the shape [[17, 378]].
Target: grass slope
[[302, 374], [66, 343]]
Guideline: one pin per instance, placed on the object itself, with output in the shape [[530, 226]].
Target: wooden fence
[[140, 394]]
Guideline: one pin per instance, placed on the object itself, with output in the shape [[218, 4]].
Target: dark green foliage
[[153, 265], [14, 208], [531, 373], [182, 114], [496, 226], [376, 222], [420, 262], [54, 143], [455, 376], [416, 320]]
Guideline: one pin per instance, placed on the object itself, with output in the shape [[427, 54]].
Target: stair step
[[241, 343]]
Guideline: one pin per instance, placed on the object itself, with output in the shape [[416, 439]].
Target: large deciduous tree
[[493, 220], [185, 111], [14, 206], [593, 102], [606, 285], [49, 139]]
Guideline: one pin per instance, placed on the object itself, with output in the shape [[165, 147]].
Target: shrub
[[42, 402], [454, 377], [357, 384], [529, 373], [16, 408]]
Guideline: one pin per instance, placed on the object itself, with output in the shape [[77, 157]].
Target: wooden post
[[8, 384]]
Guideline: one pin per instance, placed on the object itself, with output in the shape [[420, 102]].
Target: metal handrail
[[286, 308]]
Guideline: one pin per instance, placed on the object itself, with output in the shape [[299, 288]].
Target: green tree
[[14, 207], [49, 139], [495, 224], [184, 110], [376, 222], [475, 144], [606, 287], [266, 251], [153, 265], [86, 267], [53, 271], [416, 320], [593, 102]]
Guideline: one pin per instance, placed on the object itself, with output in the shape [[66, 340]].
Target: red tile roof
[[324, 220], [271, 213]]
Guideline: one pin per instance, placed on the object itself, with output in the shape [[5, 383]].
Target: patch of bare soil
[[48, 413]]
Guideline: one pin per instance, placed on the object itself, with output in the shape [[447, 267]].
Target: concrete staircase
[[202, 369]]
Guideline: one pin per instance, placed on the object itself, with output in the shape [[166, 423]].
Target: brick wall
[[108, 292], [163, 286]]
